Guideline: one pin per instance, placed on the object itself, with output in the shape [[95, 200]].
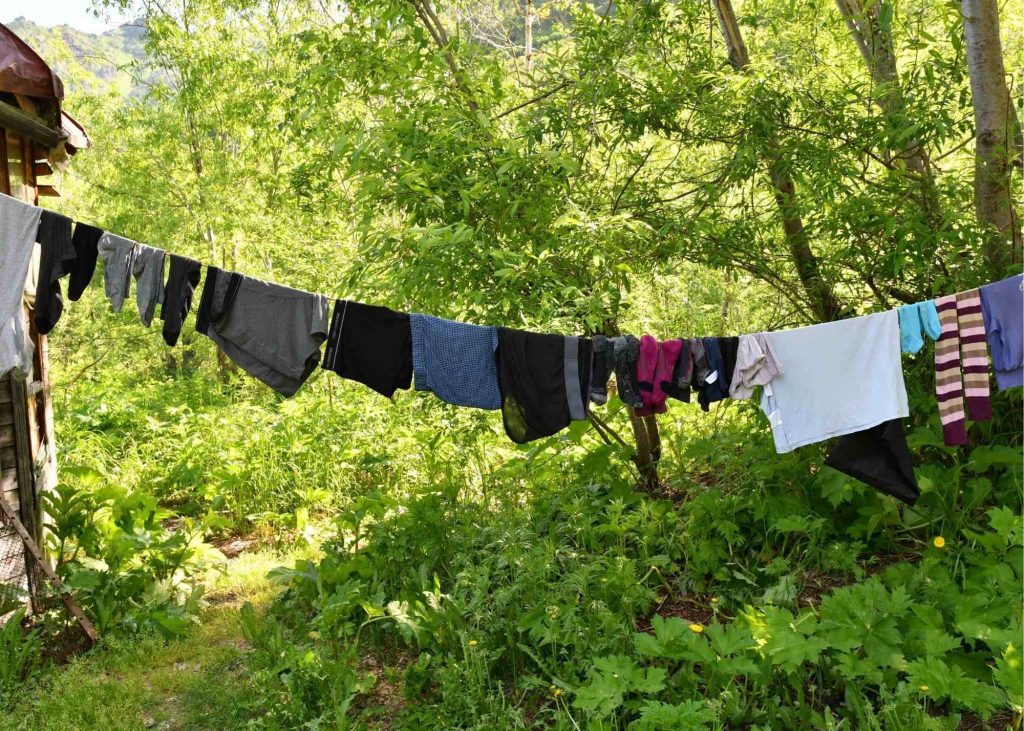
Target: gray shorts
[[272, 332]]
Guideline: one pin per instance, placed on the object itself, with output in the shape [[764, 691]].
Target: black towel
[[879, 457], [182, 280], [371, 345], [534, 383], [56, 259], [85, 240]]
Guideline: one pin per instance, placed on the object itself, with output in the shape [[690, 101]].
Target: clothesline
[[842, 379]]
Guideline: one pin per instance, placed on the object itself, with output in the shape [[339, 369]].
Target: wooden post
[[69, 601]]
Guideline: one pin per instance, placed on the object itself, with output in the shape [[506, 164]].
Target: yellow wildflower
[[924, 688], [698, 628], [472, 643], [939, 542], [557, 692]]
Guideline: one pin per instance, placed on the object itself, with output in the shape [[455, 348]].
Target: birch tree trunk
[[997, 133], [819, 293], [870, 24]]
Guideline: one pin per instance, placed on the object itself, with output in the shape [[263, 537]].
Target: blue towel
[[1002, 305], [455, 360], [915, 318]]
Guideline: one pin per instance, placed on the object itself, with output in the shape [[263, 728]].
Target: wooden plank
[[48, 191], [33, 548], [5, 391], [9, 480], [23, 452], [43, 168], [7, 457], [6, 415], [7, 436], [32, 127], [33, 388], [11, 498]]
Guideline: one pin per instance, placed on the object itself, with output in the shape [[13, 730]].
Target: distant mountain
[[112, 60]]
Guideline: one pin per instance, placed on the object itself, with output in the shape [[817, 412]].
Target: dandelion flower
[[924, 688], [472, 643], [698, 628], [557, 692], [939, 542]]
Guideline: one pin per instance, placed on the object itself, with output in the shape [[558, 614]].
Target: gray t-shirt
[[272, 332], [19, 223], [118, 255], [148, 270]]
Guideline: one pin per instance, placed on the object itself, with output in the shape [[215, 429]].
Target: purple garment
[[654, 369], [1002, 306]]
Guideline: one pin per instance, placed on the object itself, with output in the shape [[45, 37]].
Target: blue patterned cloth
[[455, 360]]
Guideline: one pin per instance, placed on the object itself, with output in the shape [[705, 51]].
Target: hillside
[[90, 62]]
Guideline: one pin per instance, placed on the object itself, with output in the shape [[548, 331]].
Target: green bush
[[131, 564]]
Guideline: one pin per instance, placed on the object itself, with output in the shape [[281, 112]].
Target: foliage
[[125, 566], [19, 655], [399, 152], [546, 600]]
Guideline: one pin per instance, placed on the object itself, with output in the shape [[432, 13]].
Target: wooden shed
[[36, 137]]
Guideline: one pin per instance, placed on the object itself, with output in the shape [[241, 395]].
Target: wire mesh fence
[[16, 579]]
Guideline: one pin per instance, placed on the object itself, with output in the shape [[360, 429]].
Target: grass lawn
[[146, 683]]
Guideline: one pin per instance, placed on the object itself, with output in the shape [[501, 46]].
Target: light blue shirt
[[840, 377]]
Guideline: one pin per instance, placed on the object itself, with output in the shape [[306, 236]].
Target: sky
[[76, 13]]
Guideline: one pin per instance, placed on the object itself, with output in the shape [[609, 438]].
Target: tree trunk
[[644, 458], [997, 134], [819, 293], [870, 24], [528, 31]]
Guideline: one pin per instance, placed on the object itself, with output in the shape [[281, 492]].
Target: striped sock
[[948, 384], [974, 348]]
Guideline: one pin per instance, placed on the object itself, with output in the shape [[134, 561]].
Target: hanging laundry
[[626, 349], [1002, 305], [56, 259], [118, 255], [455, 360], [714, 386], [371, 345], [273, 333], [604, 361], [148, 270], [654, 369], [182, 280], [840, 377], [544, 381], [917, 319], [19, 223], [85, 240], [963, 335], [878, 457], [729, 348], [678, 386], [701, 369], [756, 365]]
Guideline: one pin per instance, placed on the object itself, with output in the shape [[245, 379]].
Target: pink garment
[[654, 370]]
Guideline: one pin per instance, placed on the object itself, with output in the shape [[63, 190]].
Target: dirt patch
[[387, 698], [999, 722], [61, 646], [234, 546], [692, 608]]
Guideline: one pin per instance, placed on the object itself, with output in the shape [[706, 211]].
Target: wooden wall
[[27, 446]]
